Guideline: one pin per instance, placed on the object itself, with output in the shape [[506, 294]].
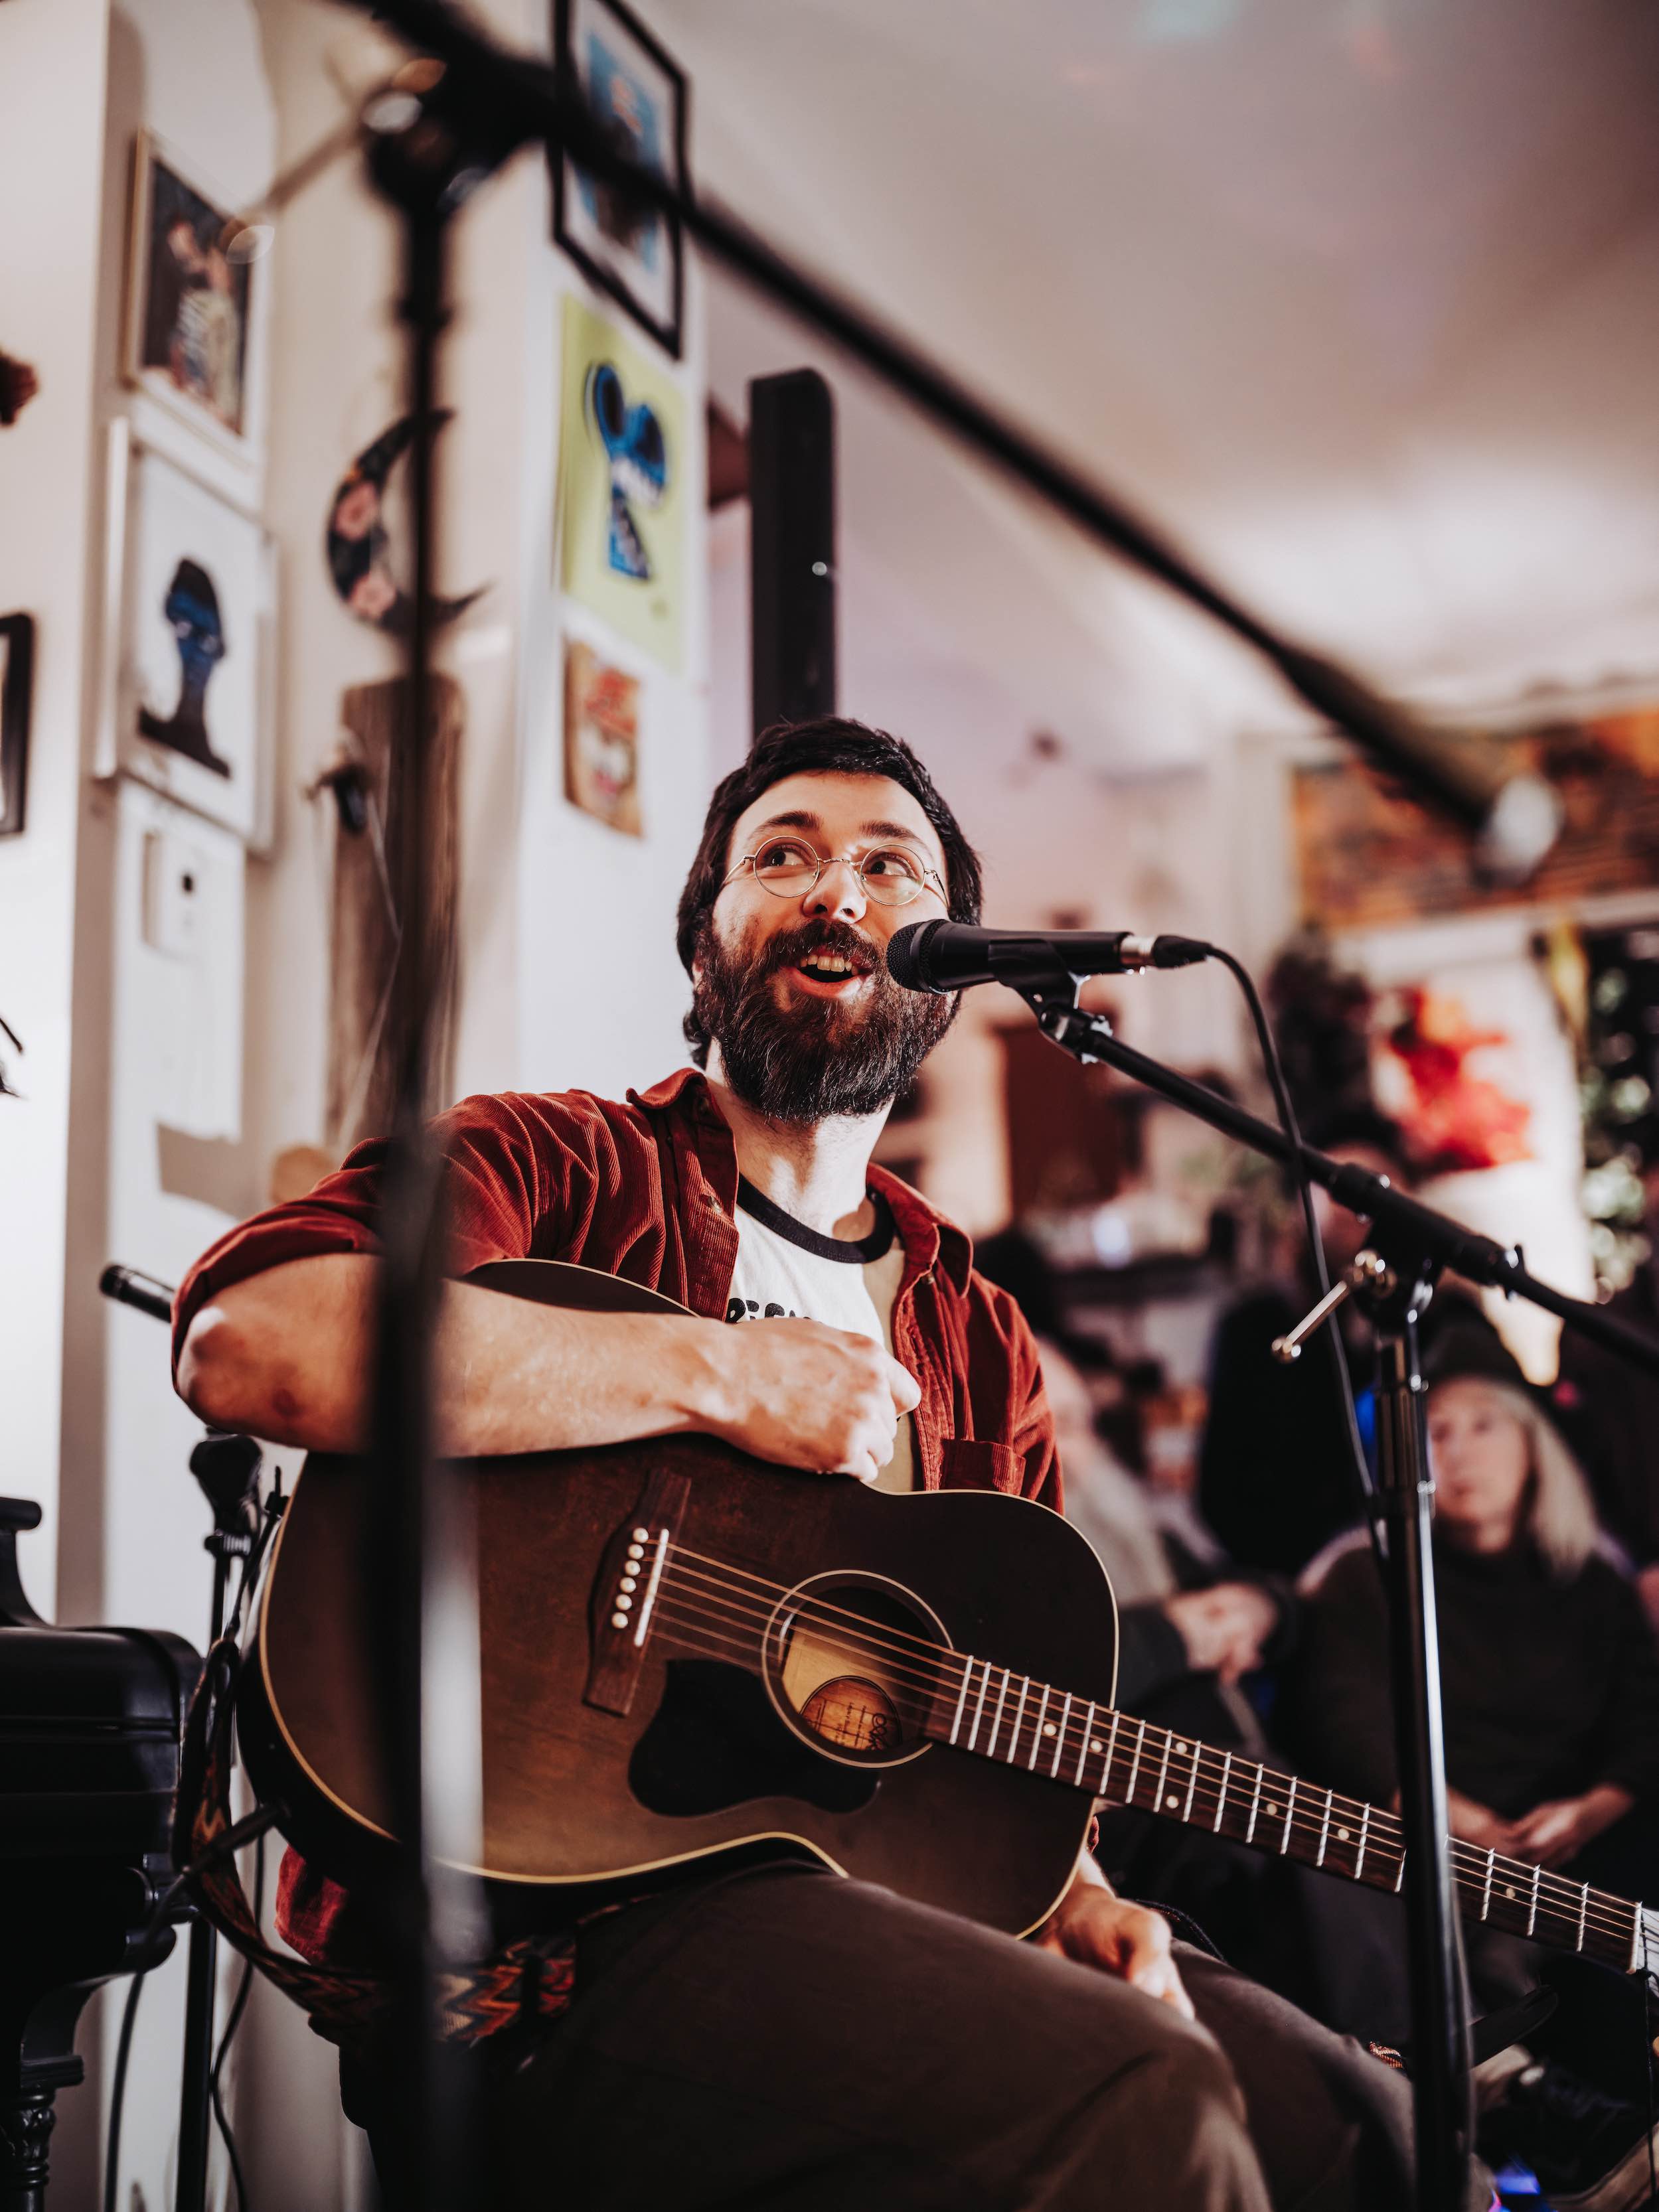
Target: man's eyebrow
[[894, 830], [797, 817], [801, 818]]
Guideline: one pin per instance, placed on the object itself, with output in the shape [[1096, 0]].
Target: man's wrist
[[699, 1381]]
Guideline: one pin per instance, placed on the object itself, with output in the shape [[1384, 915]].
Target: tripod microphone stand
[[228, 1470]]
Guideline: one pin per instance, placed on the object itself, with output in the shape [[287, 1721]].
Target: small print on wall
[[196, 609], [637, 98], [16, 689], [190, 305], [622, 494], [602, 739]]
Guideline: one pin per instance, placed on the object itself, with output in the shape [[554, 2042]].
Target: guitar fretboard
[[998, 1714]]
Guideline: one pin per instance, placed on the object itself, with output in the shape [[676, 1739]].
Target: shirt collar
[[925, 1233]]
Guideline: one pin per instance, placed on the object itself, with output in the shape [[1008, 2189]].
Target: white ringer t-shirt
[[785, 1270]]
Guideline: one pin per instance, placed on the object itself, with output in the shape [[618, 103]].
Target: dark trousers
[[788, 2040]]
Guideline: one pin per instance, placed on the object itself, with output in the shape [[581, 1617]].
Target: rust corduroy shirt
[[647, 1188]]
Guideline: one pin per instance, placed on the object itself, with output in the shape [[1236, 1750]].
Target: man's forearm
[[288, 1356]]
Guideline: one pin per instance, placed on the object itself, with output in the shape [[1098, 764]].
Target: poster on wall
[[1367, 856], [602, 739], [191, 337], [637, 98], [621, 485], [1471, 1059], [197, 593]]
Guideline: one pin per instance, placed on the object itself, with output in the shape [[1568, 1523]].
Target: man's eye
[[892, 864], [783, 855]]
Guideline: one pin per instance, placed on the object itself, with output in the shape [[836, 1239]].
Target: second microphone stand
[[1393, 1282]]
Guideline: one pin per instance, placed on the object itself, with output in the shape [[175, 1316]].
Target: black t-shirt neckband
[[854, 1252]]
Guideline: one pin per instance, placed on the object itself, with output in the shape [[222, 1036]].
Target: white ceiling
[[1360, 298]]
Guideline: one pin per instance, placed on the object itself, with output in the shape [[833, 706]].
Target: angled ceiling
[[1360, 299]]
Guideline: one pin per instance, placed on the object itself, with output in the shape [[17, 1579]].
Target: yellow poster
[[621, 485]]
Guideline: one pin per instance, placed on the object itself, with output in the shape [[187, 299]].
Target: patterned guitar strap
[[527, 1981]]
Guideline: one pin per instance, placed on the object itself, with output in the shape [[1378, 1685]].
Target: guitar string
[[1469, 1861], [1616, 1929], [1563, 1898], [1383, 1832]]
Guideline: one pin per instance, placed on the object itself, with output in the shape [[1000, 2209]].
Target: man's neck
[[814, 1170]]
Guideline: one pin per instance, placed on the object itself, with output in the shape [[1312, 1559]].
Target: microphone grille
[[907, 954]]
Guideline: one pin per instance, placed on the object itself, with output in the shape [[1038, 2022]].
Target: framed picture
[[194, 710], [637, 96], [16, 687], [622, 491], [194, 315], [602, 739]]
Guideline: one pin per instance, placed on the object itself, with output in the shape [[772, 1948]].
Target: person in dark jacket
[[1550, 1682]]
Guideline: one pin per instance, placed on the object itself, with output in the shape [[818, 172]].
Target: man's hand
[[1225, 1629], [1557, 1831], [1472, 1822], [806, 1395], [1093, 1925]]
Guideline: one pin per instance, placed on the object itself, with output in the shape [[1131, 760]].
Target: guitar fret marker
[[1037, 1732], [1059, 1747], [984, 1684], [1163, 1768], [1085, 1749], [996, 1722], [1226, 1769], [1129, 1794], [1111, 1746]]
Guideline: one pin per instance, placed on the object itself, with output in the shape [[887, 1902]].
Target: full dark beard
[[814, 1057]]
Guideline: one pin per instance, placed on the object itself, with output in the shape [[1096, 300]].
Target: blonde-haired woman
[[1551, 1687]]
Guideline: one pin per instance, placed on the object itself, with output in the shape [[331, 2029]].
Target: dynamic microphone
[[942, 956], [130, 1286]]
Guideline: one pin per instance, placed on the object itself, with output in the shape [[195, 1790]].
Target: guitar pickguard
[[716, 1741]]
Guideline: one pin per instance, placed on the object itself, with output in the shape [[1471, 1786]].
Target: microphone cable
[[1364, 1481]]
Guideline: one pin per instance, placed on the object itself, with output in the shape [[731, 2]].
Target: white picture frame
[[194, 696]]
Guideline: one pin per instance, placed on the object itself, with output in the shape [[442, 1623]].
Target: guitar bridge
[[625, 1593]]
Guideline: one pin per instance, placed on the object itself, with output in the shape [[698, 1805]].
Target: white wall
[[51, 157]]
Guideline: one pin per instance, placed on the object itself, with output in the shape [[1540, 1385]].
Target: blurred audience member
[[1276, 1473], [1550, 1682], [1223, 1629]]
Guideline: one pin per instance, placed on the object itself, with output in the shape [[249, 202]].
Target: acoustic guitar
[[688, 1653]]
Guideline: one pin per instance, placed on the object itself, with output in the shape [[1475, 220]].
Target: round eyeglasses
[[788, 867]]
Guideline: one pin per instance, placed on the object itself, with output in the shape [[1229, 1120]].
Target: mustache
[[792, 945]]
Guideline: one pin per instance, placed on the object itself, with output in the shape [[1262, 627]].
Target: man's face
[[795, 990]]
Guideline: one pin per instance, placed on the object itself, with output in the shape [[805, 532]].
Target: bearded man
[[784, 2036]]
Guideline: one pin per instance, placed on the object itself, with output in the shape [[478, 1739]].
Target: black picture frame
[[656, 306], [16, 693]]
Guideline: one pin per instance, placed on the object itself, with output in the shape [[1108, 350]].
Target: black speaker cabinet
[[792, 547]]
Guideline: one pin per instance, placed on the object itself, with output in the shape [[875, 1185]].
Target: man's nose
[[838, 891]]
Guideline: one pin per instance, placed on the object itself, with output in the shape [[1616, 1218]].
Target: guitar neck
[[997, 1714]]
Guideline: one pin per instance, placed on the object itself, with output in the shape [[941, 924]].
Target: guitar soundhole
[[850, 1663], [852, 1715]]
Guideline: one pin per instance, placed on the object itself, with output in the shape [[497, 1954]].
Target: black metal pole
[[411, 1572], [1440, 2040], [190, 2193]]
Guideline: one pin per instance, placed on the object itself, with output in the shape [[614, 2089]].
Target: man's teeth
[[828, 963]]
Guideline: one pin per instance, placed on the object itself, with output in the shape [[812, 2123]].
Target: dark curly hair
[[828, 745]]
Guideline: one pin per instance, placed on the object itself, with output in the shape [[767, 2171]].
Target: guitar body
[[741, 1719]]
